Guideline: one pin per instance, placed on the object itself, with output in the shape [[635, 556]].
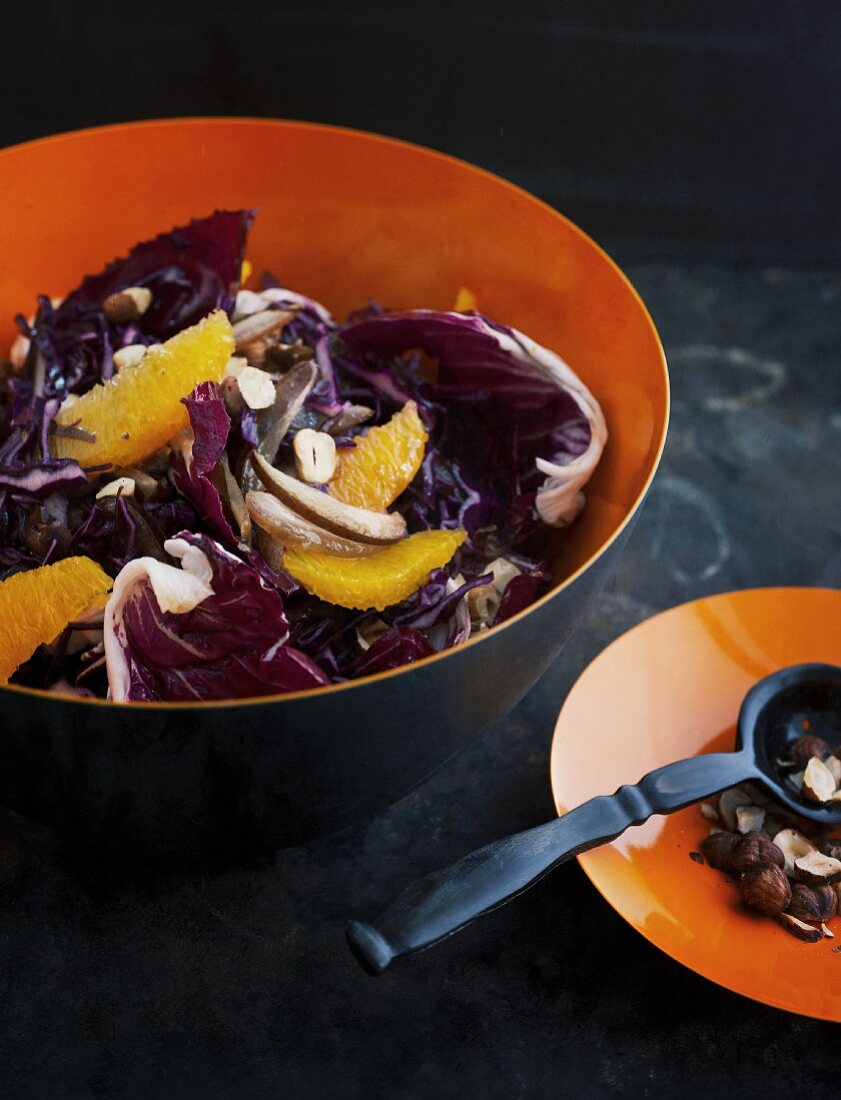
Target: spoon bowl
[[799, 700], [777, 711]]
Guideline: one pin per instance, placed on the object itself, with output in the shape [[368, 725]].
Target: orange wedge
[[465, 300], [137, 411], [37, 605], [377, 580], [375, 472]]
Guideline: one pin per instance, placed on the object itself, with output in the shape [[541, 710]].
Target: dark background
[[699, 142], [662, 128]]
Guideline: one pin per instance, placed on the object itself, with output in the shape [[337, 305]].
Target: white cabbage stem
[[560, 498]]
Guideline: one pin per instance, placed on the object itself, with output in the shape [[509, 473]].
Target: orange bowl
[[343, 216]]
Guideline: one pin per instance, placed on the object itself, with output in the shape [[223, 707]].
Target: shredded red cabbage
[[197, 613]]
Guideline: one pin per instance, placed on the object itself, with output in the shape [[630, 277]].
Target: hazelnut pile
[[786, 869]]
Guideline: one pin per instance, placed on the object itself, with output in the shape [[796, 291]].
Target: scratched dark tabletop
[[237, 982]]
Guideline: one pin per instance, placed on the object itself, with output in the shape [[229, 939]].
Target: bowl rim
[[521, 192]]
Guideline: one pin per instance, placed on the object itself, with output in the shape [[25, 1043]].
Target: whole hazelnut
[[816, 903], [804, 748], [718, 850], [765, 889], [754, 849]]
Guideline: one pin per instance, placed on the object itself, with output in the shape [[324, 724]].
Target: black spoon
[[775, 712]]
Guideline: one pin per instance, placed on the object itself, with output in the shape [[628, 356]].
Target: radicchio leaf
[[198, 456], [537, 413], [519, 593], [396, 647], [201, 492], [190, 271], [213, 629], [210, 423]]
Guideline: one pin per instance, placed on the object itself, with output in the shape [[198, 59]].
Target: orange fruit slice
[[377, 580], [37, 605], [375, 472], [137, 411], [465, 300]]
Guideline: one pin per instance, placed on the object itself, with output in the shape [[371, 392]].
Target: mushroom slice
[[289, 528], [816, 869], [356, 524], [236, 500], [273, 423], [255, 332], [271, 549], [793, 845]]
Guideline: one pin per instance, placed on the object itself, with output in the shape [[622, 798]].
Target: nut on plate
[[719, 849], [765, 889], [754, 849], [728, 801], [749, 819], [803, 931], [793, 845], [817, 903], [816, 869]]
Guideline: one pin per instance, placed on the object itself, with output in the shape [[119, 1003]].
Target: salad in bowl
[[216, 491]]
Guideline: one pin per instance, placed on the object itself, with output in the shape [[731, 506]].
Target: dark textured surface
[[238, 983], [673, 126]]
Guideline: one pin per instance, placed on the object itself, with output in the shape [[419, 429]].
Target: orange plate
[[668, 689]]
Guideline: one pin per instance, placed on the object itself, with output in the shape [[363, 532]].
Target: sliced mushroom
[[284, 356], [236, 501], [345, 520], [272, 424], [351, 416], [271, 549], [289, 528], [254, 334]]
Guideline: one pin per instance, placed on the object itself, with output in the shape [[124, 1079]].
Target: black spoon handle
[[446, 900]]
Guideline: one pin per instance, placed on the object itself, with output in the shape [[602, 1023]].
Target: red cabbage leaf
[[213, 629], [533, 412]]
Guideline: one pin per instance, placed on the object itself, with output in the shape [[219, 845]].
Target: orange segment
[[465, 300], [378, 580], [37, 605], [139, 410], [375, 472]]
